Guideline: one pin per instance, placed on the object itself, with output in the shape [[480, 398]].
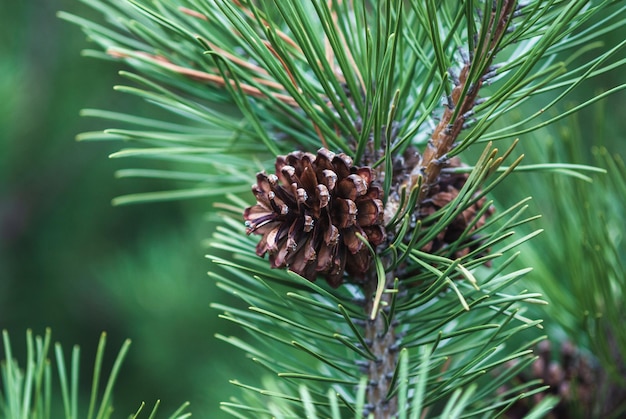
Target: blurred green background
[[72, 262]]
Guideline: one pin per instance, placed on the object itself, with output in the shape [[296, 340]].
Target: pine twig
[[382, 341], [207, 77], [461, 102]]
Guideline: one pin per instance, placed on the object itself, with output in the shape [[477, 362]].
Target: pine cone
[[573, 378], [309, 214], [442, 193]]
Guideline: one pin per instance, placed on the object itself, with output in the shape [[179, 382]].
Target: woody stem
[[461, 100], [382, 343]]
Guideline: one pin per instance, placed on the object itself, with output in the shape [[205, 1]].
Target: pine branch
[[31, 393], [464, 95], [580, 272], [380, 337], [415, 260]]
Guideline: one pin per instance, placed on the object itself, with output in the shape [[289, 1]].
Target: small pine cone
[[310, 211], [573, 378], [442, 193]]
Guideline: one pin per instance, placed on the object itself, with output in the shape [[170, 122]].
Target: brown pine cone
[[572, 377], [442, 193], [310, 211]]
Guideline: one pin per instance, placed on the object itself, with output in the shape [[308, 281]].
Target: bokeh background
[[71, 261]]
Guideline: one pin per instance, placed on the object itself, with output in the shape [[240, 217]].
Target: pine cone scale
[[309, 214], [443, 193]]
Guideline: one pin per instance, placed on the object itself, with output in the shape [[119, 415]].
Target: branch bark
[[382, 341], [460, 105], [383, 344]]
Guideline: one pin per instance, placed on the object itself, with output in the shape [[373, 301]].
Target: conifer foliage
[[373, 132]]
